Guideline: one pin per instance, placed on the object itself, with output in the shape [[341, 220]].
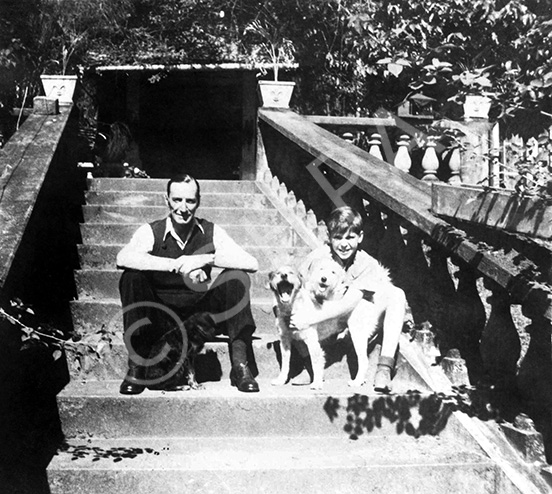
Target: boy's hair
[[343, 218], [186, 179]]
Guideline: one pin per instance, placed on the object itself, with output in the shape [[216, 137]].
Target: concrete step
[[160, 185], [248, 235], [222, 216], [275, 465], [97, 409], [212, 200], [214, 362], [104, 283], [103, 256], [89, 315]]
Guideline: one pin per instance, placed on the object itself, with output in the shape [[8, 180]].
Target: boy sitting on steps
[[367, 283]]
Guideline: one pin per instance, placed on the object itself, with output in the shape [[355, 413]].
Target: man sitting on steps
[[167, 267]]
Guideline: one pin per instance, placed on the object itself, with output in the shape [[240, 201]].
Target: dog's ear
[[200, 327], [271, 275]]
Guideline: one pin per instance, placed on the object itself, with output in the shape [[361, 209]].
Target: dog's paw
[[356, 383], [195, 385], [279, 381]]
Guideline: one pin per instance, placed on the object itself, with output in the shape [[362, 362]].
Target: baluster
[[402, 158], [494, 170], [391, 248], [300, 209], [500, 345], [282, 192], [275, 184], [322, 232], [291, 200], [471, 319], [374, 229], [311, 221], [430, 161], [267, 176], [375, 146], [348, 136], [441, 293], [417, 276], [535, 372], [455, 163]]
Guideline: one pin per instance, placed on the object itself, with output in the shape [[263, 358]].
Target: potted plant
[[475, 87], [275, 50], [64, 30]]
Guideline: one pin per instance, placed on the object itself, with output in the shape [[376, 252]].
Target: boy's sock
[[382, 381]]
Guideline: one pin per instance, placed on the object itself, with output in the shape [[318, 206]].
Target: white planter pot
[[477, 106], [276, 94], [60, 87]]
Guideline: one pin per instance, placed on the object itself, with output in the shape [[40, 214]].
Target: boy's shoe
[[382, 381]]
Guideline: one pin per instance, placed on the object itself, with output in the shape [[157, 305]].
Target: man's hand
[[198, 276], [304, 319], [187, 264]]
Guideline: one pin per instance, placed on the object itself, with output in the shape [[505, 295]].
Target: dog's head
[[325, 279], [284, 283], [200, 328]]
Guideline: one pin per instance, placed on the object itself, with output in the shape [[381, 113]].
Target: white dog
[[325, 281]]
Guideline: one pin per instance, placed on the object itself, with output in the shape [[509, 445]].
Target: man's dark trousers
[[227, 299]]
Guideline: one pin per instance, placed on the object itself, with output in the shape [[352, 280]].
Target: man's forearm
[[244, 262], [145, 262]]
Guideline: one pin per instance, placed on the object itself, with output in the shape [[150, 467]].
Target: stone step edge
[[162, 182], [282, 453], [259, 301], [526, 477]]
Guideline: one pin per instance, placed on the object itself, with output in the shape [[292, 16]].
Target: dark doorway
[[184, 121]]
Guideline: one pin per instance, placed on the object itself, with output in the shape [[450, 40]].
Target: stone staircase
[[282, 439]]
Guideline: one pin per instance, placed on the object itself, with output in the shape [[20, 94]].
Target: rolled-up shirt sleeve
[[142, 240], [228, 252]]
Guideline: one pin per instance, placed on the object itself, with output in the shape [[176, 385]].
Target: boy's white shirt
[[364, 274]]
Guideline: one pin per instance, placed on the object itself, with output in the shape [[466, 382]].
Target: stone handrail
[[409, 198], [468, 292], [24, 162]]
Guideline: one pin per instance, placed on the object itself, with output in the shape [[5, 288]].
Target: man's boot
[[382, 381], [133, 381], [241, 377]]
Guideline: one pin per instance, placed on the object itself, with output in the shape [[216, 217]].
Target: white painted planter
[[276, 94], [60, 87], [477, 106]]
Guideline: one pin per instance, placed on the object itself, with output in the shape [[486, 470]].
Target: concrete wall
[[40, 209]]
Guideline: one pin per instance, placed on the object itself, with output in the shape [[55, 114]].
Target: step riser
[[160, 185], [101, 284], [255, 235], [214, 363], [290, 410], [221, 216], [103, 256], [469, 478], [89, 316], [253, 201]]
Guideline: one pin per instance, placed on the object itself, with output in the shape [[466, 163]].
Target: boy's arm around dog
[[330, 310]]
